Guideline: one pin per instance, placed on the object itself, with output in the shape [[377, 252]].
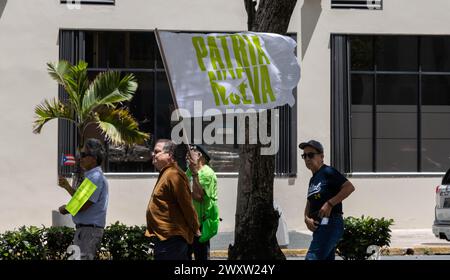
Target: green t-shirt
[[208, 181]]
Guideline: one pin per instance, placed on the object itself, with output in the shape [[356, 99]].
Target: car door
[[443, 200]]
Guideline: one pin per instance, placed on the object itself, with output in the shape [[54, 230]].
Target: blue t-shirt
[[323, 185], [96, 213]]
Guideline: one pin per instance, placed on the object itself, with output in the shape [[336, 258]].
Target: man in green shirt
[[204, 197]]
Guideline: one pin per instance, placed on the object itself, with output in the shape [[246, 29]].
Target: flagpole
[[172, 91]]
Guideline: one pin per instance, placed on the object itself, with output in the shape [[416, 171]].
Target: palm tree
[[91, 103]]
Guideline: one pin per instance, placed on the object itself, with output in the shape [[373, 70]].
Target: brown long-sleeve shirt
[[170, 211]]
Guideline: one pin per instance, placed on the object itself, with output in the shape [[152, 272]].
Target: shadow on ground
[[297, 240]]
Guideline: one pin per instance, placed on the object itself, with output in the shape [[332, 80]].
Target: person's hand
[[198, 233], [311, 224], [192, 158], [63, 183], [62, 209], [325, 211]]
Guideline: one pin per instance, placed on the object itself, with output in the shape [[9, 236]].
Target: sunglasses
[[309, 155], [84, 154]]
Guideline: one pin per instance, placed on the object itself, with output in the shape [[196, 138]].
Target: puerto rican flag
[[67, 160]]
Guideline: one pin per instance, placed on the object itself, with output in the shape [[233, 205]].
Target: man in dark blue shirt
[[323, 212]]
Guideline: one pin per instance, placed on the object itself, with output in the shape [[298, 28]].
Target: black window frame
[[341, 77]]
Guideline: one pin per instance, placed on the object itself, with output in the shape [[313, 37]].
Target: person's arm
[[62, 209], [182, 193], [346, 189], [197, 190], [310, 223], [63, 183]]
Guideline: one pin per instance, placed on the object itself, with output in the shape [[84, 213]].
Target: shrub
[[58, 239], [360, 233], [119, 242], [26, 243]]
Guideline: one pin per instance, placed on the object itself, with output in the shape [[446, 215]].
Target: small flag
[[67, 160]]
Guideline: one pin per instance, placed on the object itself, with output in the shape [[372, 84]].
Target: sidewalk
[[421, 241]]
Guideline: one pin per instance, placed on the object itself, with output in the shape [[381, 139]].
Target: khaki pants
[[88, 239]]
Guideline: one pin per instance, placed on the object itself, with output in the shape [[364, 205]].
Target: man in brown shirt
[[171, 218]]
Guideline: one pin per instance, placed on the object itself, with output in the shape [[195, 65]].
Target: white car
[[441, 226]]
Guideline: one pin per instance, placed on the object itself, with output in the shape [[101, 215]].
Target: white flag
[[231, 71]]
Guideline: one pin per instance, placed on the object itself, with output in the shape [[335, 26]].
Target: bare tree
[[256, 218]]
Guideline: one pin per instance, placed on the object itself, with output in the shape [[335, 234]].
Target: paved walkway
[[421, 241]]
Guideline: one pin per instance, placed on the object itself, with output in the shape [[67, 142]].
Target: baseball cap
[[202, 150], [312, 143]]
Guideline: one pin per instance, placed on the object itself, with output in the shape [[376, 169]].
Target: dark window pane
[[136, 158], [396, 53], [142, 49], [361, 52], [164, 107], [111, 49], [397, 122], [435, 53], [396, 155], [89, 48], [362, 159], [362, 89], [224, 157], [436, 90], [435, 154], [397, 89]]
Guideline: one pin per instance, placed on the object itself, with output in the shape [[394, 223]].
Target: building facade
[[373, 90]]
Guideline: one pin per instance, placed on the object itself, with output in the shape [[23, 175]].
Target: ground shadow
[[310, 14], [297, 240]]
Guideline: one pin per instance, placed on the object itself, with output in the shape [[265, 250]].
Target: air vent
[[357, 4]]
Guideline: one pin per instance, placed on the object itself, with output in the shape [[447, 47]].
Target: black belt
[[84, 225]]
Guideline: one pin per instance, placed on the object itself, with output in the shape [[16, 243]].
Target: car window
[[446, 179]]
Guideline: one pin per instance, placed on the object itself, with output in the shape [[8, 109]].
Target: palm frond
[[77, 81], [49, 110], [108, 89], [120, 127], [61, 72], [58, 70]]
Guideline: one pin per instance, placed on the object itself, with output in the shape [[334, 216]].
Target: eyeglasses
[[309, 155]]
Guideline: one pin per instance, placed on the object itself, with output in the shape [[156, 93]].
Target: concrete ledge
[[390, 251]]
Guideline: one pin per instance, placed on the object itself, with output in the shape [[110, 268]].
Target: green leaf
[[120, 127], [108, 89], [49, 110]]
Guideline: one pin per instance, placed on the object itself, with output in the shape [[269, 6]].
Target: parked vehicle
[[441, 226]]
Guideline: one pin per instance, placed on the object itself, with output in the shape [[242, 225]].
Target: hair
[[95, 148], [169, 146]]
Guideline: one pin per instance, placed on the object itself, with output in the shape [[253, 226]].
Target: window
[[399, 103], [152, 105], [103, 2], [357, 4]]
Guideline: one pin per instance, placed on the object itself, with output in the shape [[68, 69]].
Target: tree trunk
[[256, 220]]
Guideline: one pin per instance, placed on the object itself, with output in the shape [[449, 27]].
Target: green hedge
[[360, 233], [32, 243]]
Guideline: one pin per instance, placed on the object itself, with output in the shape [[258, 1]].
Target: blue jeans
[[174, 248], [325, 239]]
